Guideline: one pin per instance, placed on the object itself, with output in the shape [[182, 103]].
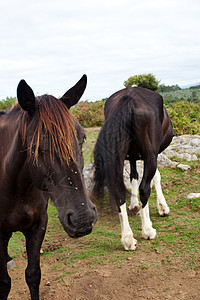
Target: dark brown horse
[[41, 157], [137, 127]]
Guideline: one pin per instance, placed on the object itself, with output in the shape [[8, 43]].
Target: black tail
[[111, 149]]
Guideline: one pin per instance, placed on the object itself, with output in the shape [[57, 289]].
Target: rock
[[183, 167], [88, 174], [10, 264], [185, 156], [182, 147], [164, 161], [185, 144], [193, 195]]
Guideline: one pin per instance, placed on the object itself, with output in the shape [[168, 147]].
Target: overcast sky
[[51, 44]]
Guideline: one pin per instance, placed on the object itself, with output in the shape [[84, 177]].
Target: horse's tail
[[111, 149]]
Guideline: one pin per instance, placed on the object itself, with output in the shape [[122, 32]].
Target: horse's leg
[[127, 239], [150, 166], [34, 238], [148, 232], [5, 281], [134, 206], [162, 206]]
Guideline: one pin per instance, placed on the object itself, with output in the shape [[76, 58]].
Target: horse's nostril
[[69, 219]]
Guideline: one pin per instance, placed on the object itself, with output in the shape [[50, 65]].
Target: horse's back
[[144, 101], [150, 120]]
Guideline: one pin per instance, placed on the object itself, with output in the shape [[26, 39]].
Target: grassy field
[[179, 232], [97, 266]]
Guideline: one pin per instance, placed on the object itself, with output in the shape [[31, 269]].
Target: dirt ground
[[145, 276]]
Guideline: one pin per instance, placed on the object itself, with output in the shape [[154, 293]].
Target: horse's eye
[[83, 140]]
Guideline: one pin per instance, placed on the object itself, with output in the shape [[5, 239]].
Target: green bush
[[185, 117], [7, 103], [89, 114], [148, 81]]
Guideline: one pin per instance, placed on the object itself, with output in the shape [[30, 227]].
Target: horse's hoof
[[149, 234], [10, 264], [134, 211], [163, 210], [129, 242]]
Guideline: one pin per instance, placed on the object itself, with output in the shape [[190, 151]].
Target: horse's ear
[[72, 96], [26, 97]]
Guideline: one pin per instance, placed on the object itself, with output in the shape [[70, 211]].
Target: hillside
[[190, 94], [183, 106]]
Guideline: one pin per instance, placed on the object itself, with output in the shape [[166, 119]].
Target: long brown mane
[[55, 121]]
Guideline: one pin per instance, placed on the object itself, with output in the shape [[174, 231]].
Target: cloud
[[51, 44]]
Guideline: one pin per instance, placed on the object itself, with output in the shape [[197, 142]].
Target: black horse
[[137, 126], [41, 157]]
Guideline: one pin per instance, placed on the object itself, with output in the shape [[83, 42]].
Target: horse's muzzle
[[79, 223]]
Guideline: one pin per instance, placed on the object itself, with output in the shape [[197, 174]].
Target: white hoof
[[129, 242], [149, 233], [163, 210], [133, 210]]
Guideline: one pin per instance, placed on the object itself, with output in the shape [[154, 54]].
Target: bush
[[185, 117], [89, 114], [145, 80], [7, 103]]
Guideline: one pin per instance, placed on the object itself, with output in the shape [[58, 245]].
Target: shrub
[[89, 114], [185, 117], [148, 81], [7, 103]]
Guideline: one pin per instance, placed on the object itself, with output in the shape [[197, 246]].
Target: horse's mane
[[54, 120]]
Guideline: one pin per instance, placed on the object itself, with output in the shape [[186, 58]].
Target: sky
[[51, 44]]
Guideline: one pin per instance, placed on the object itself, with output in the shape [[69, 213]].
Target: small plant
[[7, 103]]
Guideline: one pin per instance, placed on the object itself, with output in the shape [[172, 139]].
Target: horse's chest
[[22, 217]]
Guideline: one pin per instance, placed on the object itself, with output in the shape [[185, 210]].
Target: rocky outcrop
[[185, 147]]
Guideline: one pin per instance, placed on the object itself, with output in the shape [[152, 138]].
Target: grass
[[92, 134], [178, 234]]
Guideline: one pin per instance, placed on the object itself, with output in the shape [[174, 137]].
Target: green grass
[[16, 244], [178, 234], [88, 147]]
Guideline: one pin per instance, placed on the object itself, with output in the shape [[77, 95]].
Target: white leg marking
[[148, 232], [134, 206], [127, 239], [162, 206]]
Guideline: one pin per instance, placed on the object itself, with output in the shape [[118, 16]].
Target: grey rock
[[183, 167], [193, 195], [185, 147]]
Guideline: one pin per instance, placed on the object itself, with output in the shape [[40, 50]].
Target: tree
[[168, 88], [145, 80]]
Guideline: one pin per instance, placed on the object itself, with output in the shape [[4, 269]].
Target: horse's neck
[[11, 152]]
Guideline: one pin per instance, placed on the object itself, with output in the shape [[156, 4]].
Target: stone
[[164, 161], [185, 147], [183, 167], [193, 195]]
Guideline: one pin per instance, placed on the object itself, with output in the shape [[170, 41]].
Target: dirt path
[[147, 276]]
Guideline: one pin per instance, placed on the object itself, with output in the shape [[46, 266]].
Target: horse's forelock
[[55, 121]]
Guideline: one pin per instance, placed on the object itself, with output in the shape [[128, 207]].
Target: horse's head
[[53, 140]]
